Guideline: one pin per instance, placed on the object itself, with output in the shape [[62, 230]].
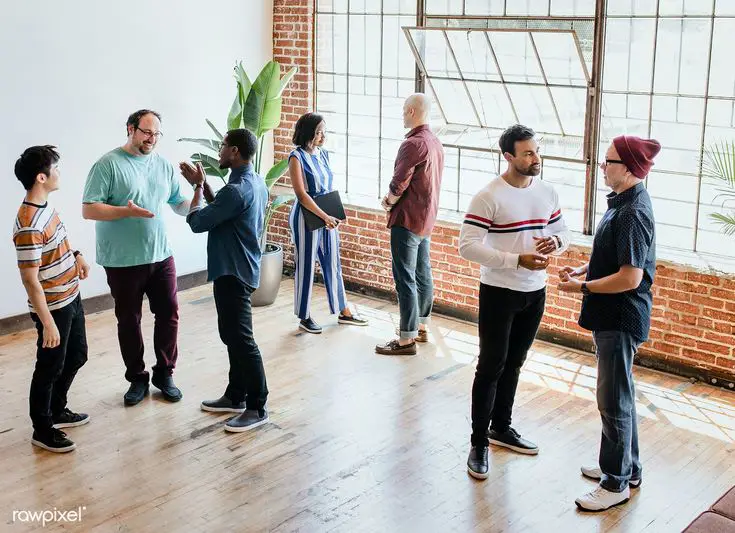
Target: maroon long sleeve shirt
[[417, 179]]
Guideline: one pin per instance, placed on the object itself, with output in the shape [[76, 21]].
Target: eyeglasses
[[149, 133], [610, 161]]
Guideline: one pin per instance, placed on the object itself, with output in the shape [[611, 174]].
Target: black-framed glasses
[[610, 161], [149, 133]]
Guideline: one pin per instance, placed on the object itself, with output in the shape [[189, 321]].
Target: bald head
[[416, 110]]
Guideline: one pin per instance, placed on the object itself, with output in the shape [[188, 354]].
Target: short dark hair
[[244, 140], [517, 132], [134, 118], [305, 129], [34, 161]]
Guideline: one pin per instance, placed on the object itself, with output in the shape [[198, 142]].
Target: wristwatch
[[77, 253], [585, 290]]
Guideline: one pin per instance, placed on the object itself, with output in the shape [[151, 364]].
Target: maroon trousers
[[128, 285]]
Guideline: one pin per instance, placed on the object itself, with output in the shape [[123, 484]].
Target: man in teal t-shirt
[[125, 193]]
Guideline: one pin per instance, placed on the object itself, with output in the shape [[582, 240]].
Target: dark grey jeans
[[619, 460]]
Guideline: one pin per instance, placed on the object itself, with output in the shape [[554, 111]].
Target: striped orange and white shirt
[[40, 241]]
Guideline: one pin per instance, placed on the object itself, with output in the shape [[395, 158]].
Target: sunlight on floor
[[700, 415]]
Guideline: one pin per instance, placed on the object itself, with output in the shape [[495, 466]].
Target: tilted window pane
[[560, 58], [571, 105], [473, 54], [534, 108], [492, 104], [434, 53], [454, 101], [516, 57]]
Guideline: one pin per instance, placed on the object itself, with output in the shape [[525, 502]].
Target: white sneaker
[[602, 499], [594, 472]]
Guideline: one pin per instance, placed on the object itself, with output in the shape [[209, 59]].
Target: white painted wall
[[71, 73]]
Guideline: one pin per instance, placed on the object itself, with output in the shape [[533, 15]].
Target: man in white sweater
[[511, 227]]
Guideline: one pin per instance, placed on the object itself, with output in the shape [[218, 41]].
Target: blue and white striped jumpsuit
[[321, 244]]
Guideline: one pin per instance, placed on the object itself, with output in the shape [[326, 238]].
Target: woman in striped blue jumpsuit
[[311, 176]]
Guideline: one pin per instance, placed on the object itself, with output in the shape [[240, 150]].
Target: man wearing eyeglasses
[[125, 193], [616, 307]]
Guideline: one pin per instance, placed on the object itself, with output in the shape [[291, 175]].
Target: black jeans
[[508, 322], [56, 367], [235, 321]]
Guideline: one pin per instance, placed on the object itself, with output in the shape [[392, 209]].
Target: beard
[[224, 164], [145, 148], [532, 170]]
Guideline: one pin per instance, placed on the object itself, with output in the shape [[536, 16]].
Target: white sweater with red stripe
[[500, 225]]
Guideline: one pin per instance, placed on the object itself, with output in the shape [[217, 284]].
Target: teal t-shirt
[[150, 182]]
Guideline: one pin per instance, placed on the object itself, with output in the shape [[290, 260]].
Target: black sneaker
[[222, 405], [477, 463], [53, 440], [136, 392], [310, 326], [166, 385], [512, 440], [353, 320], [69, 419], [249, 419]]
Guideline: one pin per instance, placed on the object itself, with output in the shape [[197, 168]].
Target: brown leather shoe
[[394, 348], [423, 335]]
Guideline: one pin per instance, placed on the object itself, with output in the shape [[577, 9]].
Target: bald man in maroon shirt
[[412, 204]]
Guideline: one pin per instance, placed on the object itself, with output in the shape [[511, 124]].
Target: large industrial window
[[661, 70]]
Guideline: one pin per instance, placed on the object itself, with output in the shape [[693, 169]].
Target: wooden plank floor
[[357, 442]]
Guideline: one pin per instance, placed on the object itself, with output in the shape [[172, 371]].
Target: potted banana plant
[[257, 107]]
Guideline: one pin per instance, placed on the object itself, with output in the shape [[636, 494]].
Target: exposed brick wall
[[293, 27], [693, 324]]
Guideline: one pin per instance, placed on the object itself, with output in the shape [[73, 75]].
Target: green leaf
[[280, 200], [242, 78], [273, 205], [234, 117], [210, 165], [726, 221], [275, 173], [207, 143], [216, 132], [718, 166], [286, 78], [262, 111]]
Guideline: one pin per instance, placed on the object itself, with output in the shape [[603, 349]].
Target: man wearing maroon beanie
[[616, 307]]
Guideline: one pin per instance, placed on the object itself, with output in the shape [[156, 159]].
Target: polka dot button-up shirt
[[625, 236]]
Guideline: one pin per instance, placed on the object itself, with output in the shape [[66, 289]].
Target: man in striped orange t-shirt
[[50, 271]]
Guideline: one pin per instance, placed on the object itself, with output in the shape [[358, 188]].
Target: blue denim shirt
[[234, 221], [625, 236]]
